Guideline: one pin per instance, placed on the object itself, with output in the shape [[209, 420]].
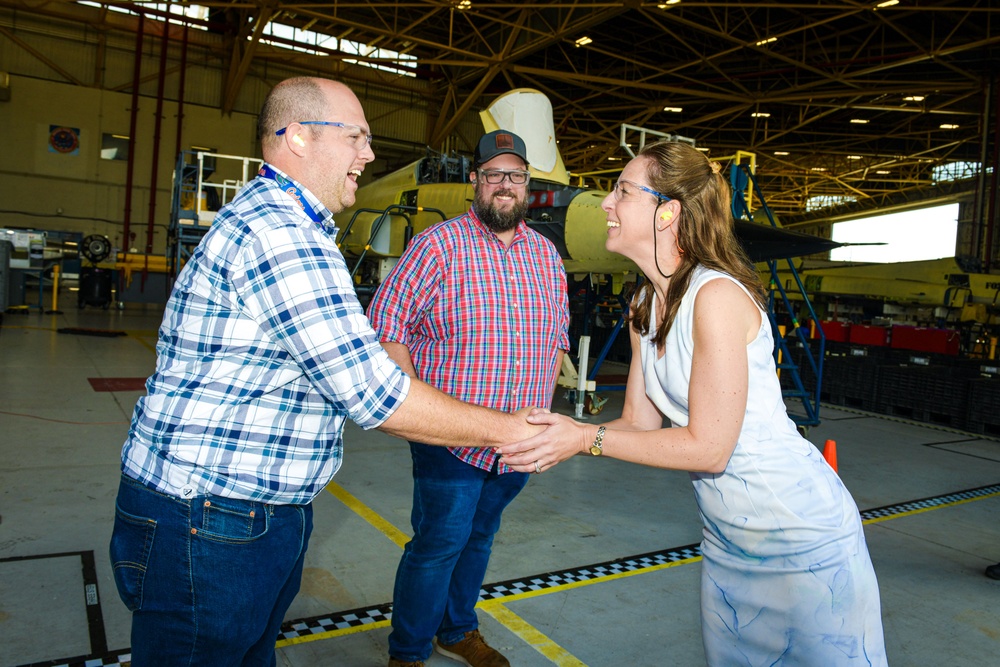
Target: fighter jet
[[391, 210]]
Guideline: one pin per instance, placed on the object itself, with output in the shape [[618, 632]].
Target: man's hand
[[524, 429], [562, 438]]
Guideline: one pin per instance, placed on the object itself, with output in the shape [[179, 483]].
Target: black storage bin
[[95, 287], [983, 412]]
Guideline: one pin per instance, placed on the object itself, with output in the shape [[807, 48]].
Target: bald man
[[264, 352]]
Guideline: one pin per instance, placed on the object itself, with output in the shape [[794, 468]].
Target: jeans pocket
[[131, 543], [230, 521]]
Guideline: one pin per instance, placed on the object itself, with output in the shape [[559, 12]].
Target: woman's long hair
[[705, 230]]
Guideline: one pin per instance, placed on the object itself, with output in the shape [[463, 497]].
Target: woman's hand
[[562, 438]]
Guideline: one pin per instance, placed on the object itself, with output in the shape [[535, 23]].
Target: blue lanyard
[[292, 189]]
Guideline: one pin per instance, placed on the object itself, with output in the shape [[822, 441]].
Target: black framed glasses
[[497, 176], [620, 192], [356, 133]]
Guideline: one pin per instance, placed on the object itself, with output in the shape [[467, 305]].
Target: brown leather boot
[[396, 662], [473, 651]]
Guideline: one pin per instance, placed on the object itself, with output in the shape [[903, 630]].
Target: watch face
[[595, 450]]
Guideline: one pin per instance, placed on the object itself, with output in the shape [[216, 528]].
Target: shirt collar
[[301, 195]]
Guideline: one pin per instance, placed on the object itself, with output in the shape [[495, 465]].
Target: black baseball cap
[[499, 142]]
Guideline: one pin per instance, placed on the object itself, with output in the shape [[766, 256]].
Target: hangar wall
[[67, 75], [77, 191]]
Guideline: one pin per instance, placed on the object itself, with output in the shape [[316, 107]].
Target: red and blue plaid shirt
[[483, 322]]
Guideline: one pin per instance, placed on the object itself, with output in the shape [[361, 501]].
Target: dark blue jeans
[[208, 580], [456, 513]]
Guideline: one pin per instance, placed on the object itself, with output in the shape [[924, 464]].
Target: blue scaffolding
[[795, 346]]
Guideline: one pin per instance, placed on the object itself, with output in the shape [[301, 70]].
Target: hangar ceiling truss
[[837, 98]]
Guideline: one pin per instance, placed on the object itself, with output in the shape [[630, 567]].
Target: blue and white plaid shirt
[[263, 353]]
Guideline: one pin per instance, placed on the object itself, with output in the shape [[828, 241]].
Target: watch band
[[598, 447]]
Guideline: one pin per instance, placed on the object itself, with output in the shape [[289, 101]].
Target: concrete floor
[[595, 555]]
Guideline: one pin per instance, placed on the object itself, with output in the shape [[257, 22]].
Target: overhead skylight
[[306, 41], [827, 201]]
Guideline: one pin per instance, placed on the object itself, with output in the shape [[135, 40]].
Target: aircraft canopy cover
[[528, 114]]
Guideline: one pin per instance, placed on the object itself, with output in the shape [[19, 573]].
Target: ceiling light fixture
[[583, 41], [859, 121], [673, 109], [886, 3], [853, 157], [913, 98], [781, 152], [949, 126], [665, 5], [817, 169], [760, 114], [464, 4], [882, 171], [766, 41]]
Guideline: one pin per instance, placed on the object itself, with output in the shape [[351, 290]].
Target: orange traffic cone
[[830, 453]]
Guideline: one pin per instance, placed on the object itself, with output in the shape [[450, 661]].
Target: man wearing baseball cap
[[476, 307]]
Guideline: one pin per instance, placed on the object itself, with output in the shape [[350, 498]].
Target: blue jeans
[[208, 580], [456, 513]]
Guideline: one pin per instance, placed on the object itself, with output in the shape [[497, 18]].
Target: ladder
[[795, 347]]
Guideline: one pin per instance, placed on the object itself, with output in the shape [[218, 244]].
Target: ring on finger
[[538, 468]]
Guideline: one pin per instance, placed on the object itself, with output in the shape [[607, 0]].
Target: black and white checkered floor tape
[[507, 589]]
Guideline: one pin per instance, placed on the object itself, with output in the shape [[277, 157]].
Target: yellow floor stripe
[[141, 338], [599, 580], [331, 634], [395, 534], [498, 610], [558, 655], [921, 510], [529, 634], [51, 327]]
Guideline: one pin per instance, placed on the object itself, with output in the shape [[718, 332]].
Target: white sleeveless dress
[[786, 575]]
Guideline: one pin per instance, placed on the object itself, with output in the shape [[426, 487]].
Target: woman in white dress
[[786, 575]]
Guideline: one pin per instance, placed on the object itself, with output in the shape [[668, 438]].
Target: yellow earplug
[[297, 139], [667, 215]]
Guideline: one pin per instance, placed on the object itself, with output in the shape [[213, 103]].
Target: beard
[[498, 221]]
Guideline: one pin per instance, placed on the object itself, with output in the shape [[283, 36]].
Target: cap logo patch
[[505, 141]]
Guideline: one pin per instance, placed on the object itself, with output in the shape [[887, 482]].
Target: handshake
[[550, 440]]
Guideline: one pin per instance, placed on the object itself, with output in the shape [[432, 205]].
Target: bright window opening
[[191, 11], [956, 171], [929, 233], [827, 201], [306, 41]]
